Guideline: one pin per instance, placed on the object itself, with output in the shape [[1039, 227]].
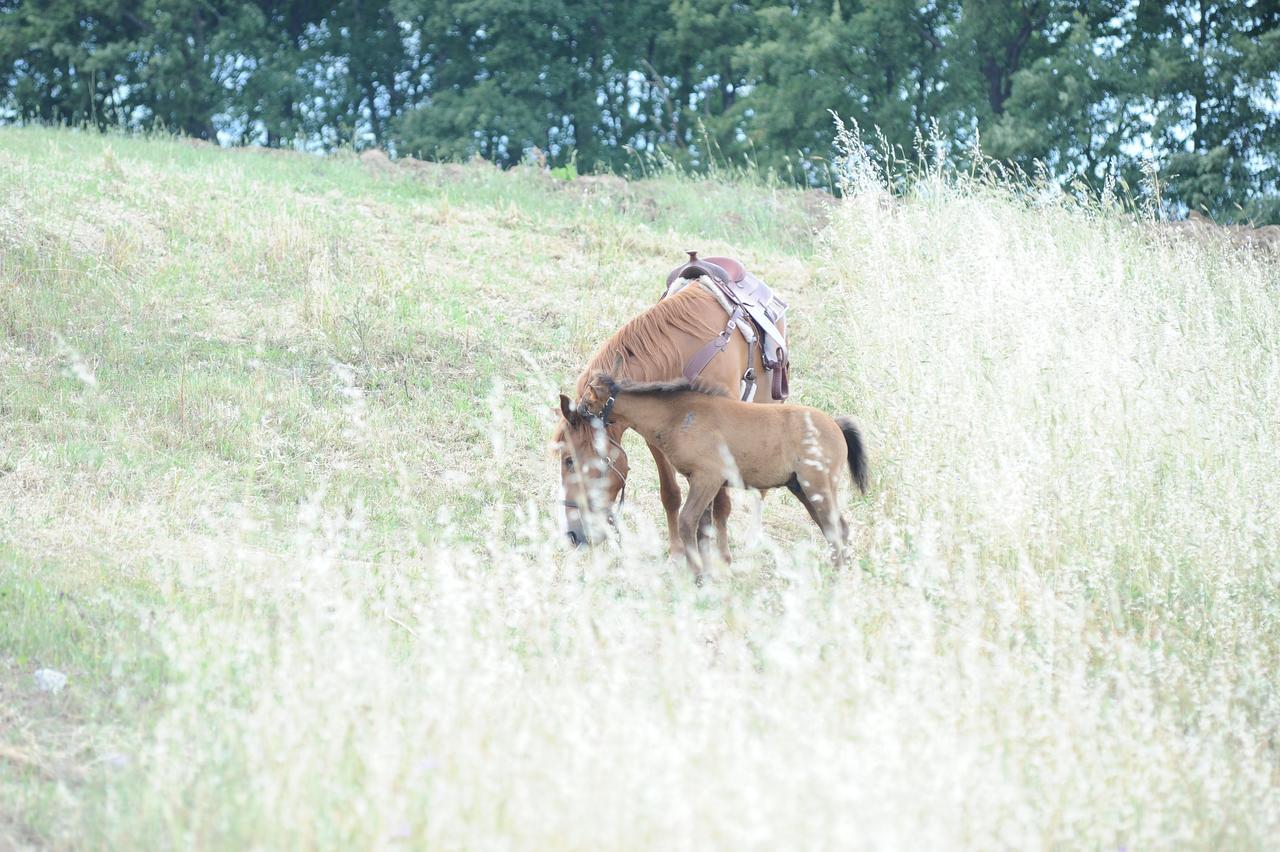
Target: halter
[[605, 410]]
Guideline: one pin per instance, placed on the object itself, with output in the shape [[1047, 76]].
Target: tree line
[[1092, 88]]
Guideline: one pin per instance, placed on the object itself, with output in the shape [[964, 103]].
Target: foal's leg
[[702, 490], [793, 485], [720, 509], [838, 535], [717, 516], [828, 510], [669, 490], [705, 526], [817, 492]]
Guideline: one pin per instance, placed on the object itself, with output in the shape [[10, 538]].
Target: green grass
[[275, 493]]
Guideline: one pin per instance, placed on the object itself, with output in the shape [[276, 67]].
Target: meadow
[[276, 496]]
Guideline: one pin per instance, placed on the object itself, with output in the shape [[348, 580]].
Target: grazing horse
[[657, 345], [715, 441]]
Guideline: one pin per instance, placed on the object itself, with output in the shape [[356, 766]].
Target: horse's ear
[[617, 365], [566, 408]]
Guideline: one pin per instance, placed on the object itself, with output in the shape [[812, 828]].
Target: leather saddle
[[755, 312]]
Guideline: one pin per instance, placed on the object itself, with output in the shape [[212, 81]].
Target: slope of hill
[[274, 494]]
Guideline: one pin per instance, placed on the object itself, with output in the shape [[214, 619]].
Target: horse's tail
[[857, 456]]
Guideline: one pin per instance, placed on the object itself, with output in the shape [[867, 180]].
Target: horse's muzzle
[[589, 532]]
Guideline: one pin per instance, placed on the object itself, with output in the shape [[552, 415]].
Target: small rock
[[50, 680]]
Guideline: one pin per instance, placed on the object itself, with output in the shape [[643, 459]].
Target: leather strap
[[750, 316], [781, 382], [699, 361], [749, 377], [768, 328]]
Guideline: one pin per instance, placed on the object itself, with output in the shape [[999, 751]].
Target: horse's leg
[[818, 496], [702, 490], [669, 490], [720, 509]]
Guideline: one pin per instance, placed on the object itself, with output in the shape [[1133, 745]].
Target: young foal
[[713, 441]]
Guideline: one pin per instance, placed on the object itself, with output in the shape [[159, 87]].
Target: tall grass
[[1060, 629]]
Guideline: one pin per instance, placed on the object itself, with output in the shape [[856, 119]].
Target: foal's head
[[593, 465]]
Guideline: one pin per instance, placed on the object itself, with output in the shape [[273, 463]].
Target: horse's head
[[593, 466]]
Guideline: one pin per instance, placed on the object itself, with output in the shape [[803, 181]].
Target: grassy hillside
[[275, 495]]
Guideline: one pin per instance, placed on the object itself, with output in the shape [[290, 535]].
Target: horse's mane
[[644, 341]]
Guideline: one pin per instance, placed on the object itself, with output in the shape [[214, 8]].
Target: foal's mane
[[668, 388]]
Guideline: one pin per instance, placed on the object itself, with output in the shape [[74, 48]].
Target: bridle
[[600, 420]]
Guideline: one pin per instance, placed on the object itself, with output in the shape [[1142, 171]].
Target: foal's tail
[[857, 456]]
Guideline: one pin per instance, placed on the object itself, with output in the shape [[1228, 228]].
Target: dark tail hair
[[857, 456]]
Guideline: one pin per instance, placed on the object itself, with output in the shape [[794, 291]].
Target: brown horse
[[654, 346], [715, 441]]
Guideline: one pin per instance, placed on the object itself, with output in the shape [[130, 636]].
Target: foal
[[716, 441]]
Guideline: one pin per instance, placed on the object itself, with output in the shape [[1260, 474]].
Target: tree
[[994, 40], [496, 78], [879, 63], [485, 69], [357, 53], [695, 79], [1213, 71], [277, 47], [179, 51], [1076, 106], [1088, 88], [68, 62]]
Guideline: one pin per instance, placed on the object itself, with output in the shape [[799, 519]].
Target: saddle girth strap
[[714, 347]]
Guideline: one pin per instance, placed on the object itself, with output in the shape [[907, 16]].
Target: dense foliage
[[1084, 88]]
